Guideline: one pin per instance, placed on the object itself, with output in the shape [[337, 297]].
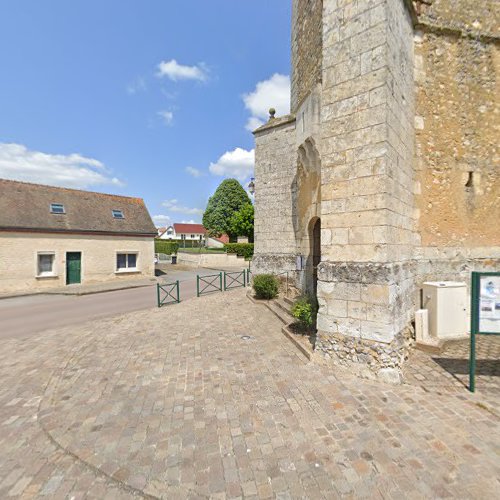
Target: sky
[[154, 99]]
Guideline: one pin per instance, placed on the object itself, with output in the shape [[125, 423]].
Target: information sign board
[[485, 313]]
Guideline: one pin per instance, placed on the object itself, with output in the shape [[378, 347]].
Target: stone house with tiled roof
[[52, 237]]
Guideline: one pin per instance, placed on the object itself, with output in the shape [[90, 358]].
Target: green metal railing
[[208, 284], [168, 293], [235, 279]]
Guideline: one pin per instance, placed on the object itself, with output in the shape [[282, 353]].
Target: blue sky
[[142, 98]]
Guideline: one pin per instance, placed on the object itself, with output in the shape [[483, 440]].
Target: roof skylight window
[[57, 208], [117, 214]]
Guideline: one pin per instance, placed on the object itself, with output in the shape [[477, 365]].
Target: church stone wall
[[407, 148], [473, 17], [457, 71], [457, 136], [365, 285], [307, 39], [275, 170]]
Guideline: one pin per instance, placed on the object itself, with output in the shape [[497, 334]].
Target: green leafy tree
[[242, 222], [228, 198]]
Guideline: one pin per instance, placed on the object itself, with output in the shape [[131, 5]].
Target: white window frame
[[38, 274], [117, 211], [52, 205], [127, 269]]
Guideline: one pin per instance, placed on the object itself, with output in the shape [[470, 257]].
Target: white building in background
[[183, 232]]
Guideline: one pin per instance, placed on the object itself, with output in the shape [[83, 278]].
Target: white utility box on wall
[[446, 302]]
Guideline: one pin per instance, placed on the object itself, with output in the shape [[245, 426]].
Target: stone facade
[[19, 251], [391, 144], [457, 68], [307, 40]]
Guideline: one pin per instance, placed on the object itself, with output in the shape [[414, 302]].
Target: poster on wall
[[489, 304]]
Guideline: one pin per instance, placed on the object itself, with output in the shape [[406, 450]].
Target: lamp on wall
[[251, 186]]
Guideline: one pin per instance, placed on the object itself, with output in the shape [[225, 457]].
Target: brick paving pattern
[[449, 370], [173, 403]]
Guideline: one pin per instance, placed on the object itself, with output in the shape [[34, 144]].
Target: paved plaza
[[449, 369], [29, 315], [207, 399]]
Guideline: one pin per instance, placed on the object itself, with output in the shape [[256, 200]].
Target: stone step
[[283, 304], [301, 342], [282, 314]]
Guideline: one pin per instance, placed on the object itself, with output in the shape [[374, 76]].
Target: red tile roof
[[189, 229], [223, 238]]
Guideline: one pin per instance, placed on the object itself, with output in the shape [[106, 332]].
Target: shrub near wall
[[240, 249], [266, 286], [305, 310], [166, 247]]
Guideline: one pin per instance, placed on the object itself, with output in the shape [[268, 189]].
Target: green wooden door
[[73, 267]]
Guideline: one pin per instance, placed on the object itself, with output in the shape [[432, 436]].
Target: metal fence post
[[178, 293], [225, 281], [220, 280], [472, 362], [244, 280], [158, 294], [474, 298], [197, 285]]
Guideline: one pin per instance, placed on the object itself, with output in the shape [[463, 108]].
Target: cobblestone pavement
[[174, 403], [449, 370]]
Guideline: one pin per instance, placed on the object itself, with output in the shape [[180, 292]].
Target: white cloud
[[173, 206], [162, 220], [138, 85], [75, 171], [254, 123], [238, 163], [175, 71], [271, 93], [194, 172], [167, 117], [191, 221]]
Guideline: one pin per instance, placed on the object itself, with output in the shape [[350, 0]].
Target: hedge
[[166, 247], [190, 243], [240, 249], [202, 250]]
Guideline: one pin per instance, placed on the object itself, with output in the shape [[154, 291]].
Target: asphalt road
[[25, 316]]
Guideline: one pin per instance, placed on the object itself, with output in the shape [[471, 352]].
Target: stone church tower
[[386, 172]]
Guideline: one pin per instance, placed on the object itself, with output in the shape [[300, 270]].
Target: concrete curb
[[93, 292], [77, 293]]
